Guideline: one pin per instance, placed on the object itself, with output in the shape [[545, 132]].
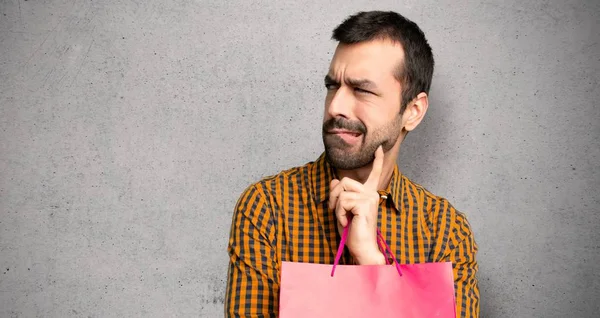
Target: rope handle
[[383, 247]]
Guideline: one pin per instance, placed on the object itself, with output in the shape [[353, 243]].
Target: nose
[[340, 103]]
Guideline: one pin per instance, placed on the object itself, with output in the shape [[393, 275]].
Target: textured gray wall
[[129, 129]]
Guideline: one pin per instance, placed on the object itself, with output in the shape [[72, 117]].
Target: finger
[[348, 201], [347, 195], [336, 187], [349, 224], [351, 207], [332, 185], [373, 179], [344, 211], [333, 195]]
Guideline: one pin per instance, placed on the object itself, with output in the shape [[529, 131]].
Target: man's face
[[362, 107]]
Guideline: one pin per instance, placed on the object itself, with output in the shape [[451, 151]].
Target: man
[[377, 88]]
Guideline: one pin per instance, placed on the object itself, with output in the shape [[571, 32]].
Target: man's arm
[[253, 276], [461, 251]]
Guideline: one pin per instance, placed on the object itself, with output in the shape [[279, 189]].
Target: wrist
[[375, 258]]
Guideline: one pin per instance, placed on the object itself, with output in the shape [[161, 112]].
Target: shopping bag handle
[[385, 250]]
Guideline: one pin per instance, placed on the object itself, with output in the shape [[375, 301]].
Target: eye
[[330, 86], [362, 91]]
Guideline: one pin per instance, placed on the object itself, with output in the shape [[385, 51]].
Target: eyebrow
[[330, 80], [354, 82]]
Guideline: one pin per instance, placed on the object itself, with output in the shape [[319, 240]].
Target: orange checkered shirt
[[285, 218]]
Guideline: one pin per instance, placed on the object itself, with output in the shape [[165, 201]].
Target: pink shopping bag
[[316, 290]]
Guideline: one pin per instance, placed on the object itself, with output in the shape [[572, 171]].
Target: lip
[[349, 137], [344, 132]]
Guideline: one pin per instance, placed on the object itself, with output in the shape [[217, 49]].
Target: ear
[[415, 111]]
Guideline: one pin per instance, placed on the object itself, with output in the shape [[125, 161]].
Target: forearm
[[253, 275]]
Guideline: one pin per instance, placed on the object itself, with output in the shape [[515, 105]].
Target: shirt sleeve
[[253, 275], [461, 251]]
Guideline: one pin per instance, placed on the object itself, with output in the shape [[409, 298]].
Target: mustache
[[340, 123]]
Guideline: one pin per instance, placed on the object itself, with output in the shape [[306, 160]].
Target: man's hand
[[356, 205]]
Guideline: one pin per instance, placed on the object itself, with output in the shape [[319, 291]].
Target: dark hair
[[416, 71]]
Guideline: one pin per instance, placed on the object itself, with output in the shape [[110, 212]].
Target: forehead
[[375, 60]]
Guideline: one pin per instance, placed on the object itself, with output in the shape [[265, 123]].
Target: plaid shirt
[[285, 218]]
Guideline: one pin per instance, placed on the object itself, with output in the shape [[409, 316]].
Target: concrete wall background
[[129, 129]]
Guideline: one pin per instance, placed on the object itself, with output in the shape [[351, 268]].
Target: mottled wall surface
[[129, 129]]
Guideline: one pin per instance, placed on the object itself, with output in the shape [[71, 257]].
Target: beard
[[344, 156]]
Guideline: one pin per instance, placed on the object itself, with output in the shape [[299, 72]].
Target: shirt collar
[[322, 173]]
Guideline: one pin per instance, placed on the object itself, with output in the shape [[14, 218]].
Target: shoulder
[[439, 212], [271, 188], [295, 174]]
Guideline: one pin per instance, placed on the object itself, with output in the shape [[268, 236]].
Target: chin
[[345, 160]]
